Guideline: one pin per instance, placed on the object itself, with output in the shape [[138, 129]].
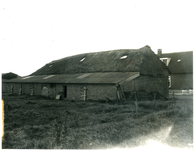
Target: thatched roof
[[79, 78], [9, 75], [181, 62], [142, 60]]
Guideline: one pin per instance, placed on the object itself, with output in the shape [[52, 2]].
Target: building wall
[[52, 90], [9, 88], [101, 92], [26, 89], [17, 88], [37, 89], [59, 88], [73, 92], [93, 92], [45, 90], [4, 85], [148, 84], [181, 81]]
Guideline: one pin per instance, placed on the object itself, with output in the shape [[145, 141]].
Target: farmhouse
[[180, 65], [115, 74]]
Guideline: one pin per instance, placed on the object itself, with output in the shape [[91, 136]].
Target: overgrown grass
[[49, 124]]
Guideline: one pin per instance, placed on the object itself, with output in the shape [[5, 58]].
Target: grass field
[[37, 123]]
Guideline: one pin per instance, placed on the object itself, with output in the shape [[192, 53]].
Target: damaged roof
[[80, 78]]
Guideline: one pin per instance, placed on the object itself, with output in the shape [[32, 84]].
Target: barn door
[[45, 91], [65, 91]]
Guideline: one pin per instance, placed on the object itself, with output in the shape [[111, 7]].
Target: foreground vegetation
[[34, 122]]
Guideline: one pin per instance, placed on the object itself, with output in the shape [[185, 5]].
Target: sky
[[36, 32]]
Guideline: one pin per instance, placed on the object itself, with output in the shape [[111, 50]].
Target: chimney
[[159, 52]]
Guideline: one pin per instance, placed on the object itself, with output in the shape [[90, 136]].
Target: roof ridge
[[177, 52]]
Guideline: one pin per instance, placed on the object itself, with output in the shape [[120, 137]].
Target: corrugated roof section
[[80, 78], [83, 75], [27, 77], [48, 77]]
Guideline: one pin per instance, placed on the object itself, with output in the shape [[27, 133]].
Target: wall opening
[[45, 91], [169, 82], [123, 57], [65, 91], [82, 59]]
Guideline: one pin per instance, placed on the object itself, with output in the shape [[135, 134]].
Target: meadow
[[41, 123]]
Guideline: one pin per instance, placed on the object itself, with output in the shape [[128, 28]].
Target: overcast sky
[[35, 32]]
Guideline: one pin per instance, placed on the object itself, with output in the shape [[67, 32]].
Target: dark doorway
[[65, 91]]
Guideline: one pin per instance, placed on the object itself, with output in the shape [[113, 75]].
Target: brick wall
[[8, 88], [101, 92], [3, 87], [37, 89], [26, 89], [73, 92], [17, 88], [94, 92], [148, 84]]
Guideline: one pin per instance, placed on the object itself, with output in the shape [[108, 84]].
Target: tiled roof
[[181, 62]]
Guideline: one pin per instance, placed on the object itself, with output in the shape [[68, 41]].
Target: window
[[166, 61]]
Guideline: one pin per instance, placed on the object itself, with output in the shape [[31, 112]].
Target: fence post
[[154, 100], [136, 104], [173, 103]]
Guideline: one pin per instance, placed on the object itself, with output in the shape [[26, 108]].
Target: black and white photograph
[[94, 74]]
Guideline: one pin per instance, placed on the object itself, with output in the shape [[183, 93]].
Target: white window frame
[[168, 60]]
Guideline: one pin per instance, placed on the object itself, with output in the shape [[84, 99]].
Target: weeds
[[86, 125]]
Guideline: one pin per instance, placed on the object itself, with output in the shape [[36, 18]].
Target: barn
[[180, 65], [5, 77], [115, 74]]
